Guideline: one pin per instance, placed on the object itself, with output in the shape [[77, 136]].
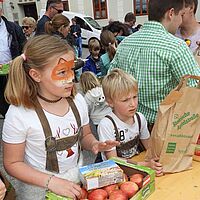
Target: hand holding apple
[[64, 188]]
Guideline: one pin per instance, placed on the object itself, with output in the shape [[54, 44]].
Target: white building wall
[[116, 9], [7, 10]]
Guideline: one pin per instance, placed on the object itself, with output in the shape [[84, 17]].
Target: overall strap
[[51, 158], [117, 136], [139, 121], [140, 145], [51, 143], [115, 127]]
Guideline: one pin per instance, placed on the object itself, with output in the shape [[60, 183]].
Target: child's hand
[[104, 146], [2, 190], [154, 164], [64, 188]]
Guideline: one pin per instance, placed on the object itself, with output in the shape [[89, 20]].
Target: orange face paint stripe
[[66, 66]]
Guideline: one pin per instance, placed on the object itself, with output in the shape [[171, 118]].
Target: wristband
[[48, 181]]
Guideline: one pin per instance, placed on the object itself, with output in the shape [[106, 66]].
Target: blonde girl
[[94, 97], [45, 88]]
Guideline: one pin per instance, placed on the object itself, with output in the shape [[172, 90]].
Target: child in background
[[45, 110], [124, 124], [93, 62], [94, 97], [109, 43]]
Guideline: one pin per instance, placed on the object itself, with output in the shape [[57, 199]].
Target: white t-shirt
[[23, 125], [193, 38], [5, 40], [127, 132]]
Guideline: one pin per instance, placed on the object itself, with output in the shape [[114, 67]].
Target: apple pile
[[120, 191]]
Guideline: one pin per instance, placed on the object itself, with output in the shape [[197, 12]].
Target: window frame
[[141, 12], [100, 10], [66, 5]]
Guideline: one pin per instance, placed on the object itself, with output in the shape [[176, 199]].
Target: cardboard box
[[101, 174], [52, 196], [129, 169], [148, 181]]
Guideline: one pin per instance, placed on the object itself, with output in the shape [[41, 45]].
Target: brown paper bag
[[10, 191], [176, 128]]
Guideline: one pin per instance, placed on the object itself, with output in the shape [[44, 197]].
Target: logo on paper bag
[[183, 120], [171, 147]]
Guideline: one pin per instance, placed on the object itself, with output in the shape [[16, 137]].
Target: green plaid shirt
[[158, 60]]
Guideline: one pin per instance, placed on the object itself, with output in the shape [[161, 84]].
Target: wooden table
[[178, 186]]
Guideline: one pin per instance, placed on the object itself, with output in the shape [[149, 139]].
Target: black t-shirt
[[41, 25]]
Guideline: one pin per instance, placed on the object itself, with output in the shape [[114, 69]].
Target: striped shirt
[[158, 60]]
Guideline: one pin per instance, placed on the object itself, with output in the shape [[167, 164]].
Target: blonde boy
[[124, 124]]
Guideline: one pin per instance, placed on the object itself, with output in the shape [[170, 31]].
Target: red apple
[[84, 193], [110, 188], [117, 195], [138, 179], [125, 179], [98, 194], [197, 152], [129, 188]]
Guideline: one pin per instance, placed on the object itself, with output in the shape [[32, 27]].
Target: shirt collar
[[154, 25]]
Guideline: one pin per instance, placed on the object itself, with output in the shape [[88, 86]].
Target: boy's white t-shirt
[[23, 125], [127, 132]]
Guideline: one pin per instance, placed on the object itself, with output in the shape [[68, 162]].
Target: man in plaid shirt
[[155, 57]]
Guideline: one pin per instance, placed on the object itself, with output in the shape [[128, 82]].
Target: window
[[100, 9], [93, 23], [66, 5], [82, 23], [141, 7]]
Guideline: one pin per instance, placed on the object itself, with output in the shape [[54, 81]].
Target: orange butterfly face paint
[[63, 71]]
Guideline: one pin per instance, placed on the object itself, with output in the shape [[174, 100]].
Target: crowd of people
[[126, 75]]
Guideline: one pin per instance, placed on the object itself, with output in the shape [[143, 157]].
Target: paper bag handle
[[184, 81]]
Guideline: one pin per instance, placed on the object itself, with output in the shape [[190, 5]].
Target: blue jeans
[[79, 46]]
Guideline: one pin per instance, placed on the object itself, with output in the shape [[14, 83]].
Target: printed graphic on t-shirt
[[66, 133], [129, 144]]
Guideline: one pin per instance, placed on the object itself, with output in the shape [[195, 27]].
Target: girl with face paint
[[46, 80]]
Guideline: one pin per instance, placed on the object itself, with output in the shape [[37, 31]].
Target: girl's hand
[[64, 188], [103, 146], [2, 190]]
